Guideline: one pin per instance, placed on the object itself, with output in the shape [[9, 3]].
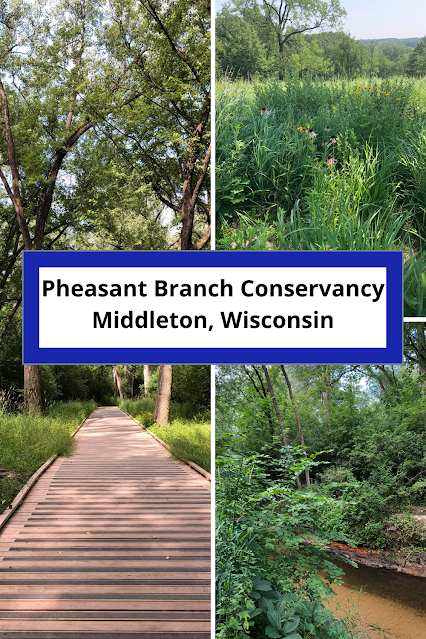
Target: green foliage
[[417, 62], [103, 136], [269, 551], [187, 434], [191, 385], [357, 185], [27, 442], [406, 530], [190, 389], [188, 440], [373, 434], [247, 45]]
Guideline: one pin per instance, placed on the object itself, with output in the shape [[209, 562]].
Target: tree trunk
[[421, 347], [325, 395], [117, 380], [278, 414], [162, 404], [296, 414], [146, 376], [32, 389]]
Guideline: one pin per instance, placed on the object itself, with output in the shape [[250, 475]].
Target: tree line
[[268, 38]]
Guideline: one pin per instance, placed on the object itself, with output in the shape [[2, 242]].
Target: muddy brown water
[[392, 604]]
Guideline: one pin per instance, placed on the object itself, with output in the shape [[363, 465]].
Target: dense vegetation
[[104, 135], [247, 45], [71, 393], [27, 442], [331, 165], [188, 432], [308, 455]]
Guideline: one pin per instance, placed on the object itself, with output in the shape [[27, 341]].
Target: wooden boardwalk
[[113, 542]]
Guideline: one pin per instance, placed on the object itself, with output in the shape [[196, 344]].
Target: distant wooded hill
[[404, 42]]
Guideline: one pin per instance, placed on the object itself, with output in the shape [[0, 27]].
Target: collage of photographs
[[298, 489]]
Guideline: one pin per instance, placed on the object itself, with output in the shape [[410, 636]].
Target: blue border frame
[[391, 260]]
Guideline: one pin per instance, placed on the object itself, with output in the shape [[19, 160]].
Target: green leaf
[[263, 585], [289, 626], [271, 632], [274, 619]]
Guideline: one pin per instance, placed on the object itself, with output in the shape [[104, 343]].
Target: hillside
[[404, 42]]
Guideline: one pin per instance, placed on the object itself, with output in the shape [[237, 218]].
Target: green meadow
[[331, 165]]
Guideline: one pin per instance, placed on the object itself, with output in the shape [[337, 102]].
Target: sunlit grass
[[189, 441], [335, 165], [187, 434], [26, 442]]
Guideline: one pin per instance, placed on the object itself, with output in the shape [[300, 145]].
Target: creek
[[390, 600]]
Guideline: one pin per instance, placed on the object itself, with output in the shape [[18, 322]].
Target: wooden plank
[[104, 589], [24, 491], [137, 563], [184, 553], [71, 625], [108, 544], [144, 567], [102, 604]]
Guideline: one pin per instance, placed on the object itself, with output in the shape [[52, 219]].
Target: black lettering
[[102, 323], [290, 319], [243, 289], [90, 290], [115, 290], [356, 289], [60, 286], [128, 287], [77, 290], [48, 285], [264, 318], [160, 288], [231, 319], [261, 291]]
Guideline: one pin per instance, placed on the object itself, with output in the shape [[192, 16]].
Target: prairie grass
[[187, 434], [26, 442], [189, 441], [357, 184]]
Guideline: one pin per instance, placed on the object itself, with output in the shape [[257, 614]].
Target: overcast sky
[[381, 18]]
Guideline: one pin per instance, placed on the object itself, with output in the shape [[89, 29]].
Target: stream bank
[[379, 559]]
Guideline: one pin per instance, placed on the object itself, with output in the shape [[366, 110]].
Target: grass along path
[[187, 434], [27, 442]]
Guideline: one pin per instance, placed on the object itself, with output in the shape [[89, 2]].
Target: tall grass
[[359, 184], [187, 434], [26, 442]]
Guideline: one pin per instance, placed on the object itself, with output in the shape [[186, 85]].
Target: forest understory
[[315, 464]]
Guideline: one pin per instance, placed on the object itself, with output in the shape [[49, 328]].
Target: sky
[[381, 18]]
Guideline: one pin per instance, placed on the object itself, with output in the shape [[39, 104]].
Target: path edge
[[6, 515], [200, 470]]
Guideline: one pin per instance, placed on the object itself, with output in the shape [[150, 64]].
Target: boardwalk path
[[113, 542]]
